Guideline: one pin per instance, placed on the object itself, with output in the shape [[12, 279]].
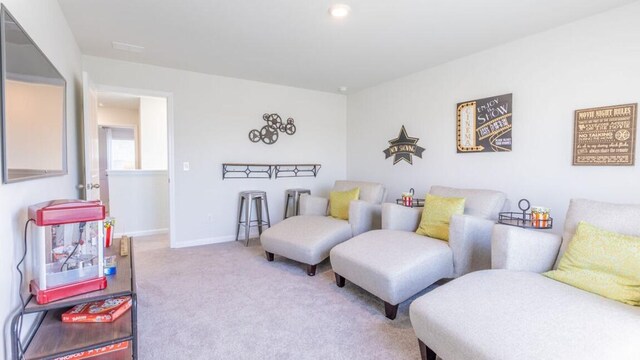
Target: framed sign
[[484, 125], [403, 148], [605, 136]]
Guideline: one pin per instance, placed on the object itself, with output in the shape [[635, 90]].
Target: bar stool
[[248, 199], [295, 195]]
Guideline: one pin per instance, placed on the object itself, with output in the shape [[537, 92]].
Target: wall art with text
[[484, 125], [605, 135], [403, 148]]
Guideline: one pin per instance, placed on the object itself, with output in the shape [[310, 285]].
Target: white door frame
[[89, 137], [170, 155]]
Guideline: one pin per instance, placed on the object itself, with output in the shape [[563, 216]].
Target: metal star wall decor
[[403, 148]]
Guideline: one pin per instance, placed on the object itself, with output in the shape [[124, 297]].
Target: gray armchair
[[307, 238], [395, 263]]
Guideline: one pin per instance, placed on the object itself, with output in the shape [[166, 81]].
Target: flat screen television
[[33, 107]]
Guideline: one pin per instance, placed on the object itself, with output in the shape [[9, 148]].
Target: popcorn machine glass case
[[68, 245]]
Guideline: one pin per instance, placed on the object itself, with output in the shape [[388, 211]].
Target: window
[[122, 149]]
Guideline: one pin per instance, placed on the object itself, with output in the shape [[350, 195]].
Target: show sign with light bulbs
[[484, 125]]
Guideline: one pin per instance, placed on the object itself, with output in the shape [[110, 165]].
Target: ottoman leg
[[425, 352], [390, 310], [311, 270], [269, 256], [340, 280]]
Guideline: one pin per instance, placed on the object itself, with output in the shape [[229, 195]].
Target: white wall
[[147, 212], [114, 116], [212, 118], [153, 133], [593, 62], [44, 22], [118, 116]]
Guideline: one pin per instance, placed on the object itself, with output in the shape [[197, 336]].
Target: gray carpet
[[225, 301]]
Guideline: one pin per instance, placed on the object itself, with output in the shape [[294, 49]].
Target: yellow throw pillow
[[602, 262], [437, 214], [339, 202]]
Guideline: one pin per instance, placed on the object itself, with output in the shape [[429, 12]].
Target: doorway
[[117, 149], [130, 142]]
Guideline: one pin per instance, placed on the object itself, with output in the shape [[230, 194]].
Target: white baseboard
[[205, 241], [142, 233]]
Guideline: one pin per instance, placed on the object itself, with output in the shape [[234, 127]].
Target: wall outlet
[[185, 166], [210, 218]]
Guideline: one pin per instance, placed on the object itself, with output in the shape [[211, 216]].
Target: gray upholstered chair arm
[[470, 242], [398, 217], [364, 216], [519, 249], [313, 205]]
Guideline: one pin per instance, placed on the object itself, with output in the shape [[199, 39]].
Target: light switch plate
[[185, 166]]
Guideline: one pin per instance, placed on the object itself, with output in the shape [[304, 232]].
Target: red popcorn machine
[[68, 245]]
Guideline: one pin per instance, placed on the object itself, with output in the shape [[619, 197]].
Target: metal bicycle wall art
[[270, 133]]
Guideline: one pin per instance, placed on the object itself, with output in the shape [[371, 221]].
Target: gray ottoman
[[392, 264], [305, 238]]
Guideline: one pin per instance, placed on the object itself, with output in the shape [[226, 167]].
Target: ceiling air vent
[[127, 47]]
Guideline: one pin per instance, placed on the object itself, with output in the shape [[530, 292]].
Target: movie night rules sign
[[605, 135], [484, 125]]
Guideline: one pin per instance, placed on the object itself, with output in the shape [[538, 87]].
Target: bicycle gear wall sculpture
[[269, 133]]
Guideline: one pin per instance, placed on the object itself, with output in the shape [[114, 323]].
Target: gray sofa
[[513, 312], [395, 263], [307, 238]]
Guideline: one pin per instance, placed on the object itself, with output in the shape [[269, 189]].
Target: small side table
[[414, 203], [525, 219]]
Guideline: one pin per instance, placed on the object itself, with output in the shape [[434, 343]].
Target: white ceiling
[[296, 42], [116, 100]]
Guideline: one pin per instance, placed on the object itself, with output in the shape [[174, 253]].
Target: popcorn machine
[[68, 245]]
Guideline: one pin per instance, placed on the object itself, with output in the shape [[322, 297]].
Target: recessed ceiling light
[[342, 89], [339, 10]]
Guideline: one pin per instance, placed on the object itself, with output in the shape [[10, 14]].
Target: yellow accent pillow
[[339, 202], [437, 214], [602, 262]]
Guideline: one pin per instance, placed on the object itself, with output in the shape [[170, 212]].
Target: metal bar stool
[[295, 195], [246, 200]]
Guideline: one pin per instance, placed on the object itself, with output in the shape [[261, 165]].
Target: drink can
[[539, 216]]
